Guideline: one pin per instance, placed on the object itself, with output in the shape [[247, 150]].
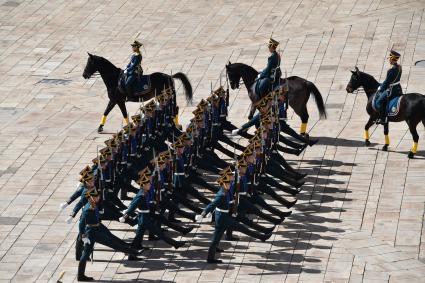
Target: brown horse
[[298, 93], [412, 108]]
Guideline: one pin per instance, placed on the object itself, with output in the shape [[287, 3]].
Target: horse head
[[91, 66], [233, 75], [355, 81]]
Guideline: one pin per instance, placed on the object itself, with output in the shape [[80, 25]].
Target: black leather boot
[[79, 246], [211, 256], [81, 270]]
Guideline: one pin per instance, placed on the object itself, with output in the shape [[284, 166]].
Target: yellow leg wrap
[[103, 120], [387, 139], [366, 134], [176, 120], [414, 147], [303, 128], [126, 121]]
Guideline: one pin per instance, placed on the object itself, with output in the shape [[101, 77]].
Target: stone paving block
[[359, 218]]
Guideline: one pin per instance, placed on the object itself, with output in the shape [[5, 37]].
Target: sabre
[[100, 172], [157, 171]]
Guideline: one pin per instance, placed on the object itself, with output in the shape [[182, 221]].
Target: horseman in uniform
[[390, 88], [269, 78], [133, 68]]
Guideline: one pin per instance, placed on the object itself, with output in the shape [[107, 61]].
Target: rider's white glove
[[86, 241], [63, 205], [125, 71], [122, 219], [69, 220], [134, 184], [199, 217]]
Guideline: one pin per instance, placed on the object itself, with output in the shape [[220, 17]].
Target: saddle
[[253, 92], [141, 85]]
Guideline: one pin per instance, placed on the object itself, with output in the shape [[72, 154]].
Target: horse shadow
[[342, 142]]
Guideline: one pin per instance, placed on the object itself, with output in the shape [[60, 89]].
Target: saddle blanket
[[141, 85], [393, 106]]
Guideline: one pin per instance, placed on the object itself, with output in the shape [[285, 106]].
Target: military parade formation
[[154, 176]]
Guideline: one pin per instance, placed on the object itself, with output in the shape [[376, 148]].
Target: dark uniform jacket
[[392, 82]]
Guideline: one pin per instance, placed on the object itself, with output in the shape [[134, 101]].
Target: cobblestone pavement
[[360, 216]]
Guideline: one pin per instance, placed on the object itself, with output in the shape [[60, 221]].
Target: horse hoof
[[385, 147], [100, 129], [367, 142], [411, 155]]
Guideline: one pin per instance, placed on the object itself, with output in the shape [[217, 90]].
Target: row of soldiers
[[164, 168]]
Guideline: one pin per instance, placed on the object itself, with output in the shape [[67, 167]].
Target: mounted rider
[[269, 78], [390, 88], [133, 68]]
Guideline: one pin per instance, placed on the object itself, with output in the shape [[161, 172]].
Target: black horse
[[412, 108], [298, 93], [111, 74]]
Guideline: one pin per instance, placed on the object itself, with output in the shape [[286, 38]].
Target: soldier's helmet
[[137, 44], [394, 55], [273, 43]]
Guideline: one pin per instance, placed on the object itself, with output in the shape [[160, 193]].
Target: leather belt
[[222, 210], [93, 225]]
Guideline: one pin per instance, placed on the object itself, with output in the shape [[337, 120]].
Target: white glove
[[86, 241], [102, 211], [134, 184], [69, 220], [63, 205], [125, 71], [122, 219], [198, 218]]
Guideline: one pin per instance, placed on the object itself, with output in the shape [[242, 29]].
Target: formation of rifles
[[166, 167]]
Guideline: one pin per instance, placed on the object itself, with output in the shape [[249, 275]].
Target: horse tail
[[186, 84], [318, 97]]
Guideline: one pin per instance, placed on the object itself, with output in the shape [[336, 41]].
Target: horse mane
[[245, 67], [106, 63], [368, 81]]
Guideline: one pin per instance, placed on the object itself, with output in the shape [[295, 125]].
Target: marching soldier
[[223, 220], [143, 201], [92, 230], [242, 206]]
